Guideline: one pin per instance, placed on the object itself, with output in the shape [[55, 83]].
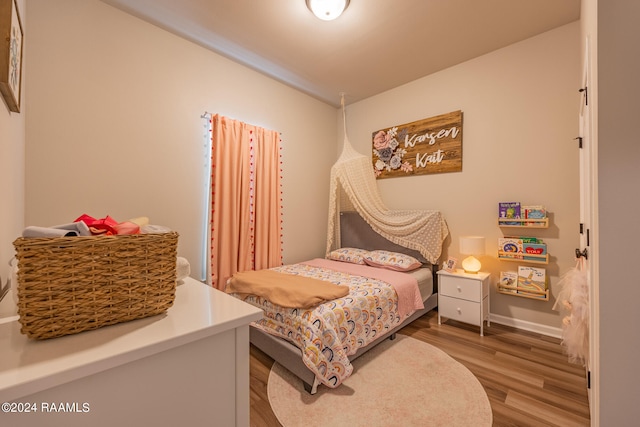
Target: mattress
[[424, 276]]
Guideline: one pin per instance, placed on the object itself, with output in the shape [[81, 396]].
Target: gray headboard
[[356, 233]]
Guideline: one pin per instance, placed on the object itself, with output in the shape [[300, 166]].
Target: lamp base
[[471, 265]]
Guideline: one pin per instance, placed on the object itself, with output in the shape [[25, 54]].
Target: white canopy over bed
[[353, 187]]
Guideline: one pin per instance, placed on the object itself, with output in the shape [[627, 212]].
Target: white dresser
[[464, 297], [188, 367]]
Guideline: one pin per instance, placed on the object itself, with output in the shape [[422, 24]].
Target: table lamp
[[471, 245]]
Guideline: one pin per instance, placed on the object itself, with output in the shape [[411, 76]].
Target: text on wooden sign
[[427, 146]]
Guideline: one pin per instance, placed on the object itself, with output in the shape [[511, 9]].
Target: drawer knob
[[459, 289], [459, 310]]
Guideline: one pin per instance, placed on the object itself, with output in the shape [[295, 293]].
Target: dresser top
[[199, 311]]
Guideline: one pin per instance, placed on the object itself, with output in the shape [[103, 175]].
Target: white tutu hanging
[[573, 301]]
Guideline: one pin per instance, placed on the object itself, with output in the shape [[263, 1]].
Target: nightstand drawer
[[459, 287], [459, 309]]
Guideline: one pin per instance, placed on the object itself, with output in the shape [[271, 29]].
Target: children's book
[[525, 239], [510, 247], [509, 210], [534, 249], [532, 281], [533, 212], [508, 279]]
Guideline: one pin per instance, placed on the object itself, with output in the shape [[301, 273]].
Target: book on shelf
[[509, 210], [532, 281], [533, 212], [525, 239], [534, 249], [508, 281], [510, 247]]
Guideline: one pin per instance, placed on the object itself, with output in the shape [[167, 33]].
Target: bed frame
[[355, 233]]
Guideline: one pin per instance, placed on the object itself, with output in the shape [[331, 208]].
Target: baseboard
[[527, 326]]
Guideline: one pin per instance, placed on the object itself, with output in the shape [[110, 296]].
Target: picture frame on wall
[[11, 36]]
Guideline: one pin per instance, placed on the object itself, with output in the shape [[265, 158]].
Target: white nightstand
[[464, 297]]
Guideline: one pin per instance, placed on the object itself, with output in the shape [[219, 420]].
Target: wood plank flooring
[[527, 377]]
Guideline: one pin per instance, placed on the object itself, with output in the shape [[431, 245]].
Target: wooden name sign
[[427, 146]]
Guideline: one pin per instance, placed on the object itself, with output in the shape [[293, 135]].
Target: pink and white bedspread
[[330, 332]]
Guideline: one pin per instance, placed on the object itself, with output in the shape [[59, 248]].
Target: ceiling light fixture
[[327, 10]]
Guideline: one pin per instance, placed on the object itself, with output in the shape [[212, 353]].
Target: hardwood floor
[[527, 377]]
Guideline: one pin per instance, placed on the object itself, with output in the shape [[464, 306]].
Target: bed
[[355, 233]]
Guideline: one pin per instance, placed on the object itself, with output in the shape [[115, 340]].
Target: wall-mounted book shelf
[[524, 223], [524, 258], [529, 281], [519, 292]]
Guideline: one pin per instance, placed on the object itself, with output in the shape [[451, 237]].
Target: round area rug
[[401, 382]]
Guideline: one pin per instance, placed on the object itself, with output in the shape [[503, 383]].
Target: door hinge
[[581, 228], [589, 379], [588, 243], [579, 138], [586, 94]]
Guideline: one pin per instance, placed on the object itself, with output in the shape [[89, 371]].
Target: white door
[[588, 221]]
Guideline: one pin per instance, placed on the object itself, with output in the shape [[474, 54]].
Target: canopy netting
[[353, 187]]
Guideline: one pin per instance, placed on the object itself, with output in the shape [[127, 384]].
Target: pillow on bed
[[352, 255], [391, 260]]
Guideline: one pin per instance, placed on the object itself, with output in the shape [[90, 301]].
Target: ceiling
[[374, 46]]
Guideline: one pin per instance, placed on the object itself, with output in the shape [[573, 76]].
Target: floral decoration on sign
[[388, 151]]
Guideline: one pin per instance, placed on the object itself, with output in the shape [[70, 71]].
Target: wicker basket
[[68, 285]]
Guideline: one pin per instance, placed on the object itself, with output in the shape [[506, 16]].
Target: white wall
[[12, 128], [114, 126], [520, 107]]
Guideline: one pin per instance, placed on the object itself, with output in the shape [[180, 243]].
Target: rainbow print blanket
[[332, 331]]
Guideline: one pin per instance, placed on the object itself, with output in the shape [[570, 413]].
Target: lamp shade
[[327, 10], [471, 245]]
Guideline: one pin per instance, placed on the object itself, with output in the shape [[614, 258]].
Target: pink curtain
[[246, 203]]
